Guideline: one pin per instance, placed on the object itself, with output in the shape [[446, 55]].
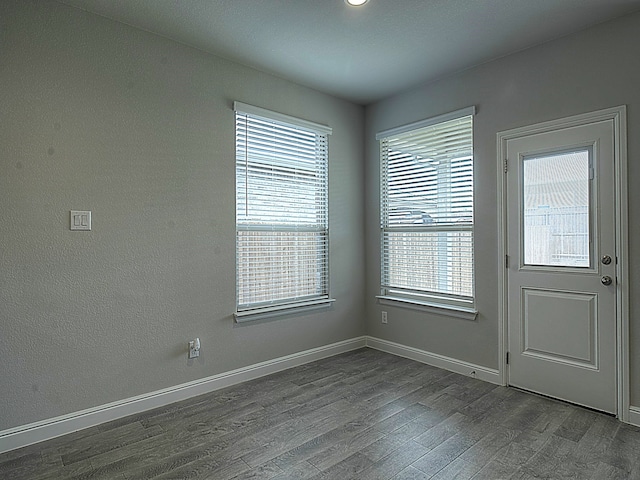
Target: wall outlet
[[384, 317], [194, 348]]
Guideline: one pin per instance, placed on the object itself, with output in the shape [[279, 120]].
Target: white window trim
[[456, 311], [282, 309], [463, 112], [281, 117], [427, 305]]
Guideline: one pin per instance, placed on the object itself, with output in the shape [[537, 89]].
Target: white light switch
[[80, 220]]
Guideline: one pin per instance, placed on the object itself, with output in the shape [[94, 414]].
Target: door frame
[[619, 117]]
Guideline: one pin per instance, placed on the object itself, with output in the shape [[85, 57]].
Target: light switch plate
[[80, 220]]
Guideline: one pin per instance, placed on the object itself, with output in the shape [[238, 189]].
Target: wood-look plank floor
[[361, 415]]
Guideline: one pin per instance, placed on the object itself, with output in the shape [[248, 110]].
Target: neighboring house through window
[[282, 232], [426, 213]]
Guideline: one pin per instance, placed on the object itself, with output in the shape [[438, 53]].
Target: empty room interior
[[292, 239]]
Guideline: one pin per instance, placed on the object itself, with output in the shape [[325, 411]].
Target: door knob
[[606, 280]]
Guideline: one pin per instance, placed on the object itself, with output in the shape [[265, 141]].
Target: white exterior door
[[561, 274]]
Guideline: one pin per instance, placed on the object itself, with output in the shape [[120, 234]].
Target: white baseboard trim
[[24, 435], [440, 361], [634, 416]]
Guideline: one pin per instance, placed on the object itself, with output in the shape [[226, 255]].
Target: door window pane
[[556, 209]]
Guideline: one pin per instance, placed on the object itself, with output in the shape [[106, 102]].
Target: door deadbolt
[[606, 280], [606, 260]]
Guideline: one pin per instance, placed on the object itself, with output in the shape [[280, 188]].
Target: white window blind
[[427, 211], [281, 210]]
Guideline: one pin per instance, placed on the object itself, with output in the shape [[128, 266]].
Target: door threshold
[[566, 402]]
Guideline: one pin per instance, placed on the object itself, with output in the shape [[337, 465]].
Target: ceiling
[[365, 53]]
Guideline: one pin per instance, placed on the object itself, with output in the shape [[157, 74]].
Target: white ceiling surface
[[363, 53]]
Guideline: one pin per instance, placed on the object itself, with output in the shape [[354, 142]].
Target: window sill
[[279, 310], [466, 313]]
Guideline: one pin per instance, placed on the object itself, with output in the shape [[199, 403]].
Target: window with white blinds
[[427, 211], [282, 236]]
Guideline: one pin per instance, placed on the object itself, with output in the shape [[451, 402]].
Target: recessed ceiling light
[[355, 3]]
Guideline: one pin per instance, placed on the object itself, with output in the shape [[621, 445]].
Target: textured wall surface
[[595, 69], [140, 130]]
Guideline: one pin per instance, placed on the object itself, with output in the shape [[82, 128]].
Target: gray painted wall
[[595, 69], [138, 129]]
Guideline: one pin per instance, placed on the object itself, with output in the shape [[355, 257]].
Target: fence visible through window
[[557, 236], [556, 198]]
